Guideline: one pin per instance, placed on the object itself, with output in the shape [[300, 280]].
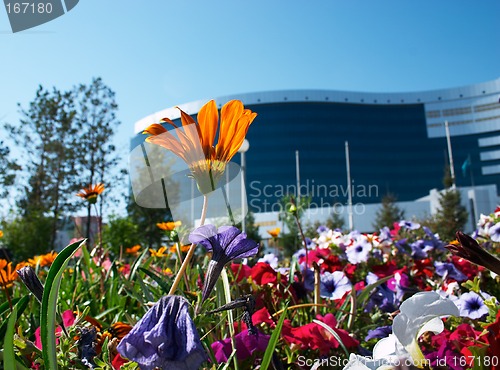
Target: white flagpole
[[450, 155], [349, 192]]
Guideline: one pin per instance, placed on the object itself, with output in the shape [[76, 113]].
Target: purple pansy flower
[[494, 232], [334, 285], [321, 229], [471, 305], [271, 259], [449, 270], [226, 244], [408, 225], [165, 338], [380, 332], [359, 251], [420, 248], [246, 345], [385, 234]]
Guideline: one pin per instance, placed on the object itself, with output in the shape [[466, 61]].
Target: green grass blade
[[49, 304], [21, 304], [365, 294], [335, 335], [9, 356], [266, 361], [6, 306], [159, 280]]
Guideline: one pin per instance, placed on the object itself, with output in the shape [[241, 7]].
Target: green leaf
[[5, 306], [160, 281], [334, 333], [273, 341], [365, 294], [9, 355], [21, 304], [49, 304]]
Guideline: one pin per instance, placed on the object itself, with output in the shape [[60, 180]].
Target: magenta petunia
[[246, 345]]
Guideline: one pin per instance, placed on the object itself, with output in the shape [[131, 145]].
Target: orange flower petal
[[208, 119], [155, 129]]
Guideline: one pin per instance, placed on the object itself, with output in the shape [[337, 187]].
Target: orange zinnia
[[158, 253], [184, 248], [43, 260], [168, 226], [7, 274], [196, 142], [91, 192], [274, 232], [133, 250]]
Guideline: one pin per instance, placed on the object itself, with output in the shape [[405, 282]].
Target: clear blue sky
[[159, 53]]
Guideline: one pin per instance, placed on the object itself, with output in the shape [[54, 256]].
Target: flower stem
[[190, 253]]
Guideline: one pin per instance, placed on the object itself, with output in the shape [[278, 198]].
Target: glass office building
[[397, 142]]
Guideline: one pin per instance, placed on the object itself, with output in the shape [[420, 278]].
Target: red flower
[[469, 269], [240, 271], [262, 273], [315, 337], [263, 316], [118, 361], [317, 255], [493, 339], [332, 263], [349, 270], [384, 270]]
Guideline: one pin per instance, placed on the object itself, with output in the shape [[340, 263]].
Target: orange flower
[[159, 253], [274, 232], [7, 274], [119, 329], [169, 226], [91, 192], [43, 260], [196, 142], [1, 234], [184, 248], [133, 250]]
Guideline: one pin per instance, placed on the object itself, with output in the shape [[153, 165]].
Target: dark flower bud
[[469, 249], [29, 278]]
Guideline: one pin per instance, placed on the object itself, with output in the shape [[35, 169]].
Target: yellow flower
[[43, 260], [195, 145], [1, 234], [184, 248], [274, 232], [7, 274], [168, 272], [159, 253], [169, 226], [133, 250], [91, 192]]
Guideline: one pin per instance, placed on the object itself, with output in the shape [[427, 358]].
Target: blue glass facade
[[394, 147]]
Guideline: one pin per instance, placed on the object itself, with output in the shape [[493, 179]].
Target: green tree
[[292, 241], [388, 213], [121, 232], [335, 221], [252, 230], [27, 236], [47, 137], [96, 120], [8, 169], [451, 215]]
